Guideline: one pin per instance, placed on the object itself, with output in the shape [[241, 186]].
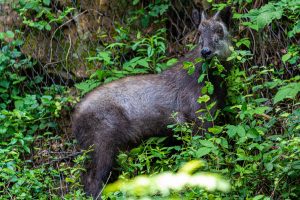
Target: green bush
[[28, 116], [254, 142]]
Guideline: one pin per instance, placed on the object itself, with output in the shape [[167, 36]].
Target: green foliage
[[263, 16], [292, 56], [289, 91], [27, 116], [253, 143], [166, 183], [258, 146], [151, 12], [143, 55], [274, 10], [38, 14]]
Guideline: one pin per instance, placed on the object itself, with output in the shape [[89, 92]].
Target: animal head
[[214, 39]]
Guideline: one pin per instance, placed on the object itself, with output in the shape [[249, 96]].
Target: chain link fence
[[61, 53]]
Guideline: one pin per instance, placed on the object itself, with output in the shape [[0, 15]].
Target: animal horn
[[203, 15], [216, 15]]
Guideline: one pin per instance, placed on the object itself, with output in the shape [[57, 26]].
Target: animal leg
[[99, 168]]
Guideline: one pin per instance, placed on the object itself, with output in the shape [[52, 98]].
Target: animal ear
[[216, 16], [196, 16], [225, 15]]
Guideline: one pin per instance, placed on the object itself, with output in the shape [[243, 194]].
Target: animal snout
[[205, 52]]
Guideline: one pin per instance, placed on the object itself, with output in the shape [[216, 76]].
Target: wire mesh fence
[[61, 53]]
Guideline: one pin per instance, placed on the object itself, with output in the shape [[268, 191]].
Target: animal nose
[[205, 52]]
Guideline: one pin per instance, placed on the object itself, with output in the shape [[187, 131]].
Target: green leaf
[[172, 61], [46, 2], [259, 197], [143, 62], [189, 66], [4, 84], [19, 104], [203, 151], [243, 41], [286, 57], [201, 78], [241, 154], [87, 86], [135, 2], [240, 131], [203, 99], [2, 35], [252, 133], [207, 143], [231, 130], [3, 130], [210, 87], [215, 129], [10, 34], [224, 143], [287, 92], [269, 166], [261, 110], [259, 18], [296, 165], [48, 27], [295, 30], [26, 148], [242, 140], [105, 56]]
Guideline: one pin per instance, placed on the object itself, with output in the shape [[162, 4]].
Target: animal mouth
[[209, 57]]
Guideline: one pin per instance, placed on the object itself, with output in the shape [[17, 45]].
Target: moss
[[36, 46]]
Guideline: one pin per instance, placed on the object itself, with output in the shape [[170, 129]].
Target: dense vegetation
[[254, 144]]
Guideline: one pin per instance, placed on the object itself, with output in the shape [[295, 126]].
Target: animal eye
[[220, 31]]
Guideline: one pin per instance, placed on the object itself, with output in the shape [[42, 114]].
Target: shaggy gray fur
[[125, 111]]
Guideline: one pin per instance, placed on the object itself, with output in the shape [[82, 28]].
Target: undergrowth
[[254, 143]]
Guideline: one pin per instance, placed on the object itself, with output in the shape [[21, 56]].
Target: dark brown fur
[[128, 110]]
